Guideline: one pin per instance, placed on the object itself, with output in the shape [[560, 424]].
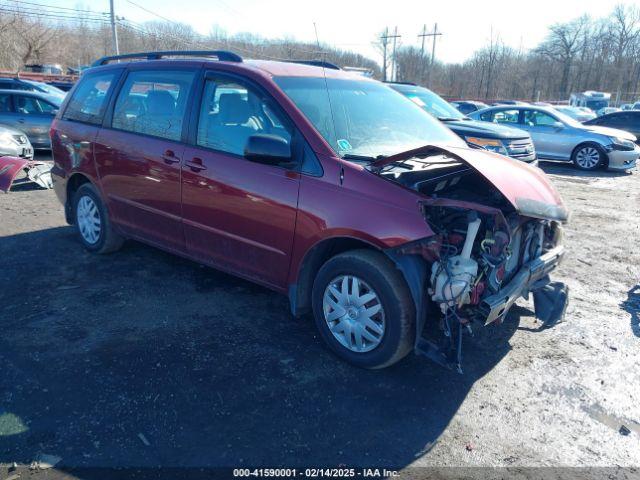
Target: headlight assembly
[[490, 144]]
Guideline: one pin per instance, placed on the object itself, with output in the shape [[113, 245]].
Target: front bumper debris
[[35, 171], [497, 305]]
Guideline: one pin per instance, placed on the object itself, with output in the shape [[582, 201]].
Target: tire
[[88, 205], [588, 156], [394, 333]]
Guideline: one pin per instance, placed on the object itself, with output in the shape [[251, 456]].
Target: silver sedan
[[557, 136], [14, 143]]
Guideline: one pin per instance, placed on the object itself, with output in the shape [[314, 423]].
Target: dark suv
[[315, 182], [509, 141]]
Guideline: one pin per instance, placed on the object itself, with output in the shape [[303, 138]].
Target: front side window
[[506, 116], [88, 102], [363, 117], [153, 103], [33, 106], [231, 112], [536, 118]]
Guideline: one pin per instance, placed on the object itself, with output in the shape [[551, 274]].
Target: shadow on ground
[[143, 359], [567, 168]]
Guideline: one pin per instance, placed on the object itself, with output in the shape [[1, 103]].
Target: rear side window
[[153, 103], [89, 100]]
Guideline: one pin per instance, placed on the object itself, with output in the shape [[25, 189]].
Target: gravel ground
[[143, 359]]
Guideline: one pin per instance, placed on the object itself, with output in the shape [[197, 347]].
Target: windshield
[[597, 104], [431, 102], [364, 118], [50, 89]]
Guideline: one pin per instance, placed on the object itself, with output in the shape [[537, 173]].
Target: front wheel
[[588, 156], [363, 309]]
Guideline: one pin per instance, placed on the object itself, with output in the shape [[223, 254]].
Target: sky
[[467, 25]]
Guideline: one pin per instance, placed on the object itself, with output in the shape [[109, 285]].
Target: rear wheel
[[363, 309], [92, 221], [588, 156]]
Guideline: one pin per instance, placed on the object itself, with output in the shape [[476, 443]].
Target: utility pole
[[385, 41], [434, 34], [423, 35], [114, 30], [394, 69]]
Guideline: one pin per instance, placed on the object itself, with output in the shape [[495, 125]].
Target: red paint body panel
[[9, 169], [140, 187], [240, 215]]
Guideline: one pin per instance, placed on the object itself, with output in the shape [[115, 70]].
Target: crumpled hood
[[611, 132], [527, 188]]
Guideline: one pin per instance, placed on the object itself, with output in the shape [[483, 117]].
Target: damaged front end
[[31, 170], [491, 245]]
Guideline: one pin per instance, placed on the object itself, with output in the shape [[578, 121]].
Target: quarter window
[[88, 102], [153, 103], [231, 112]]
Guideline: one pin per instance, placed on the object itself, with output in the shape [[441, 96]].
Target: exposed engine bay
[[483, 255]]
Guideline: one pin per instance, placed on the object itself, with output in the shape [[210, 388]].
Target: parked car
[[606, 111], [557, 136], [468, 106], [509, 102], [629, 121], [581, 114], [30, 86], [30, 112], [496, 138], [317, 183], [626, 106], [14, 143]]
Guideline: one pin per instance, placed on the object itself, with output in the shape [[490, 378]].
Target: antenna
[[326, 83]]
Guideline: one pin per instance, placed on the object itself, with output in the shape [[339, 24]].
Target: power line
[[40, 15], [66, 10]]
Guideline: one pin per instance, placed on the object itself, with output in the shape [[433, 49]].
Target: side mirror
[[267, 149], [558, 125]]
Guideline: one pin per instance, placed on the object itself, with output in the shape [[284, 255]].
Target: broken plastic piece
[[550, 303]]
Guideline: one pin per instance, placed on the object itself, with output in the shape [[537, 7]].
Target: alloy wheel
[[354, 313], [588, 157]]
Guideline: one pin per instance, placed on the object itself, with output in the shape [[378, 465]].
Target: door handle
[[21, 120], [170, 157], [195, 164]]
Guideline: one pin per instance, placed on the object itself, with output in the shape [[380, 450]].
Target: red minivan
[[318, 183]]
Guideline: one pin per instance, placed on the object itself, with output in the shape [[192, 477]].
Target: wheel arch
[[595, 143], [75, 181], [300, 290]]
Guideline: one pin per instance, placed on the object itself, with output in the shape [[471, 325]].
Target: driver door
[[549, 138], [238, 215]]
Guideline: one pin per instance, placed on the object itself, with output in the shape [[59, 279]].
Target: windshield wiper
[[362, 158], [451, 119]]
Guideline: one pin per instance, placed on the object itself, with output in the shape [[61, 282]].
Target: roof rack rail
[[221, 55], [316, 63]]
